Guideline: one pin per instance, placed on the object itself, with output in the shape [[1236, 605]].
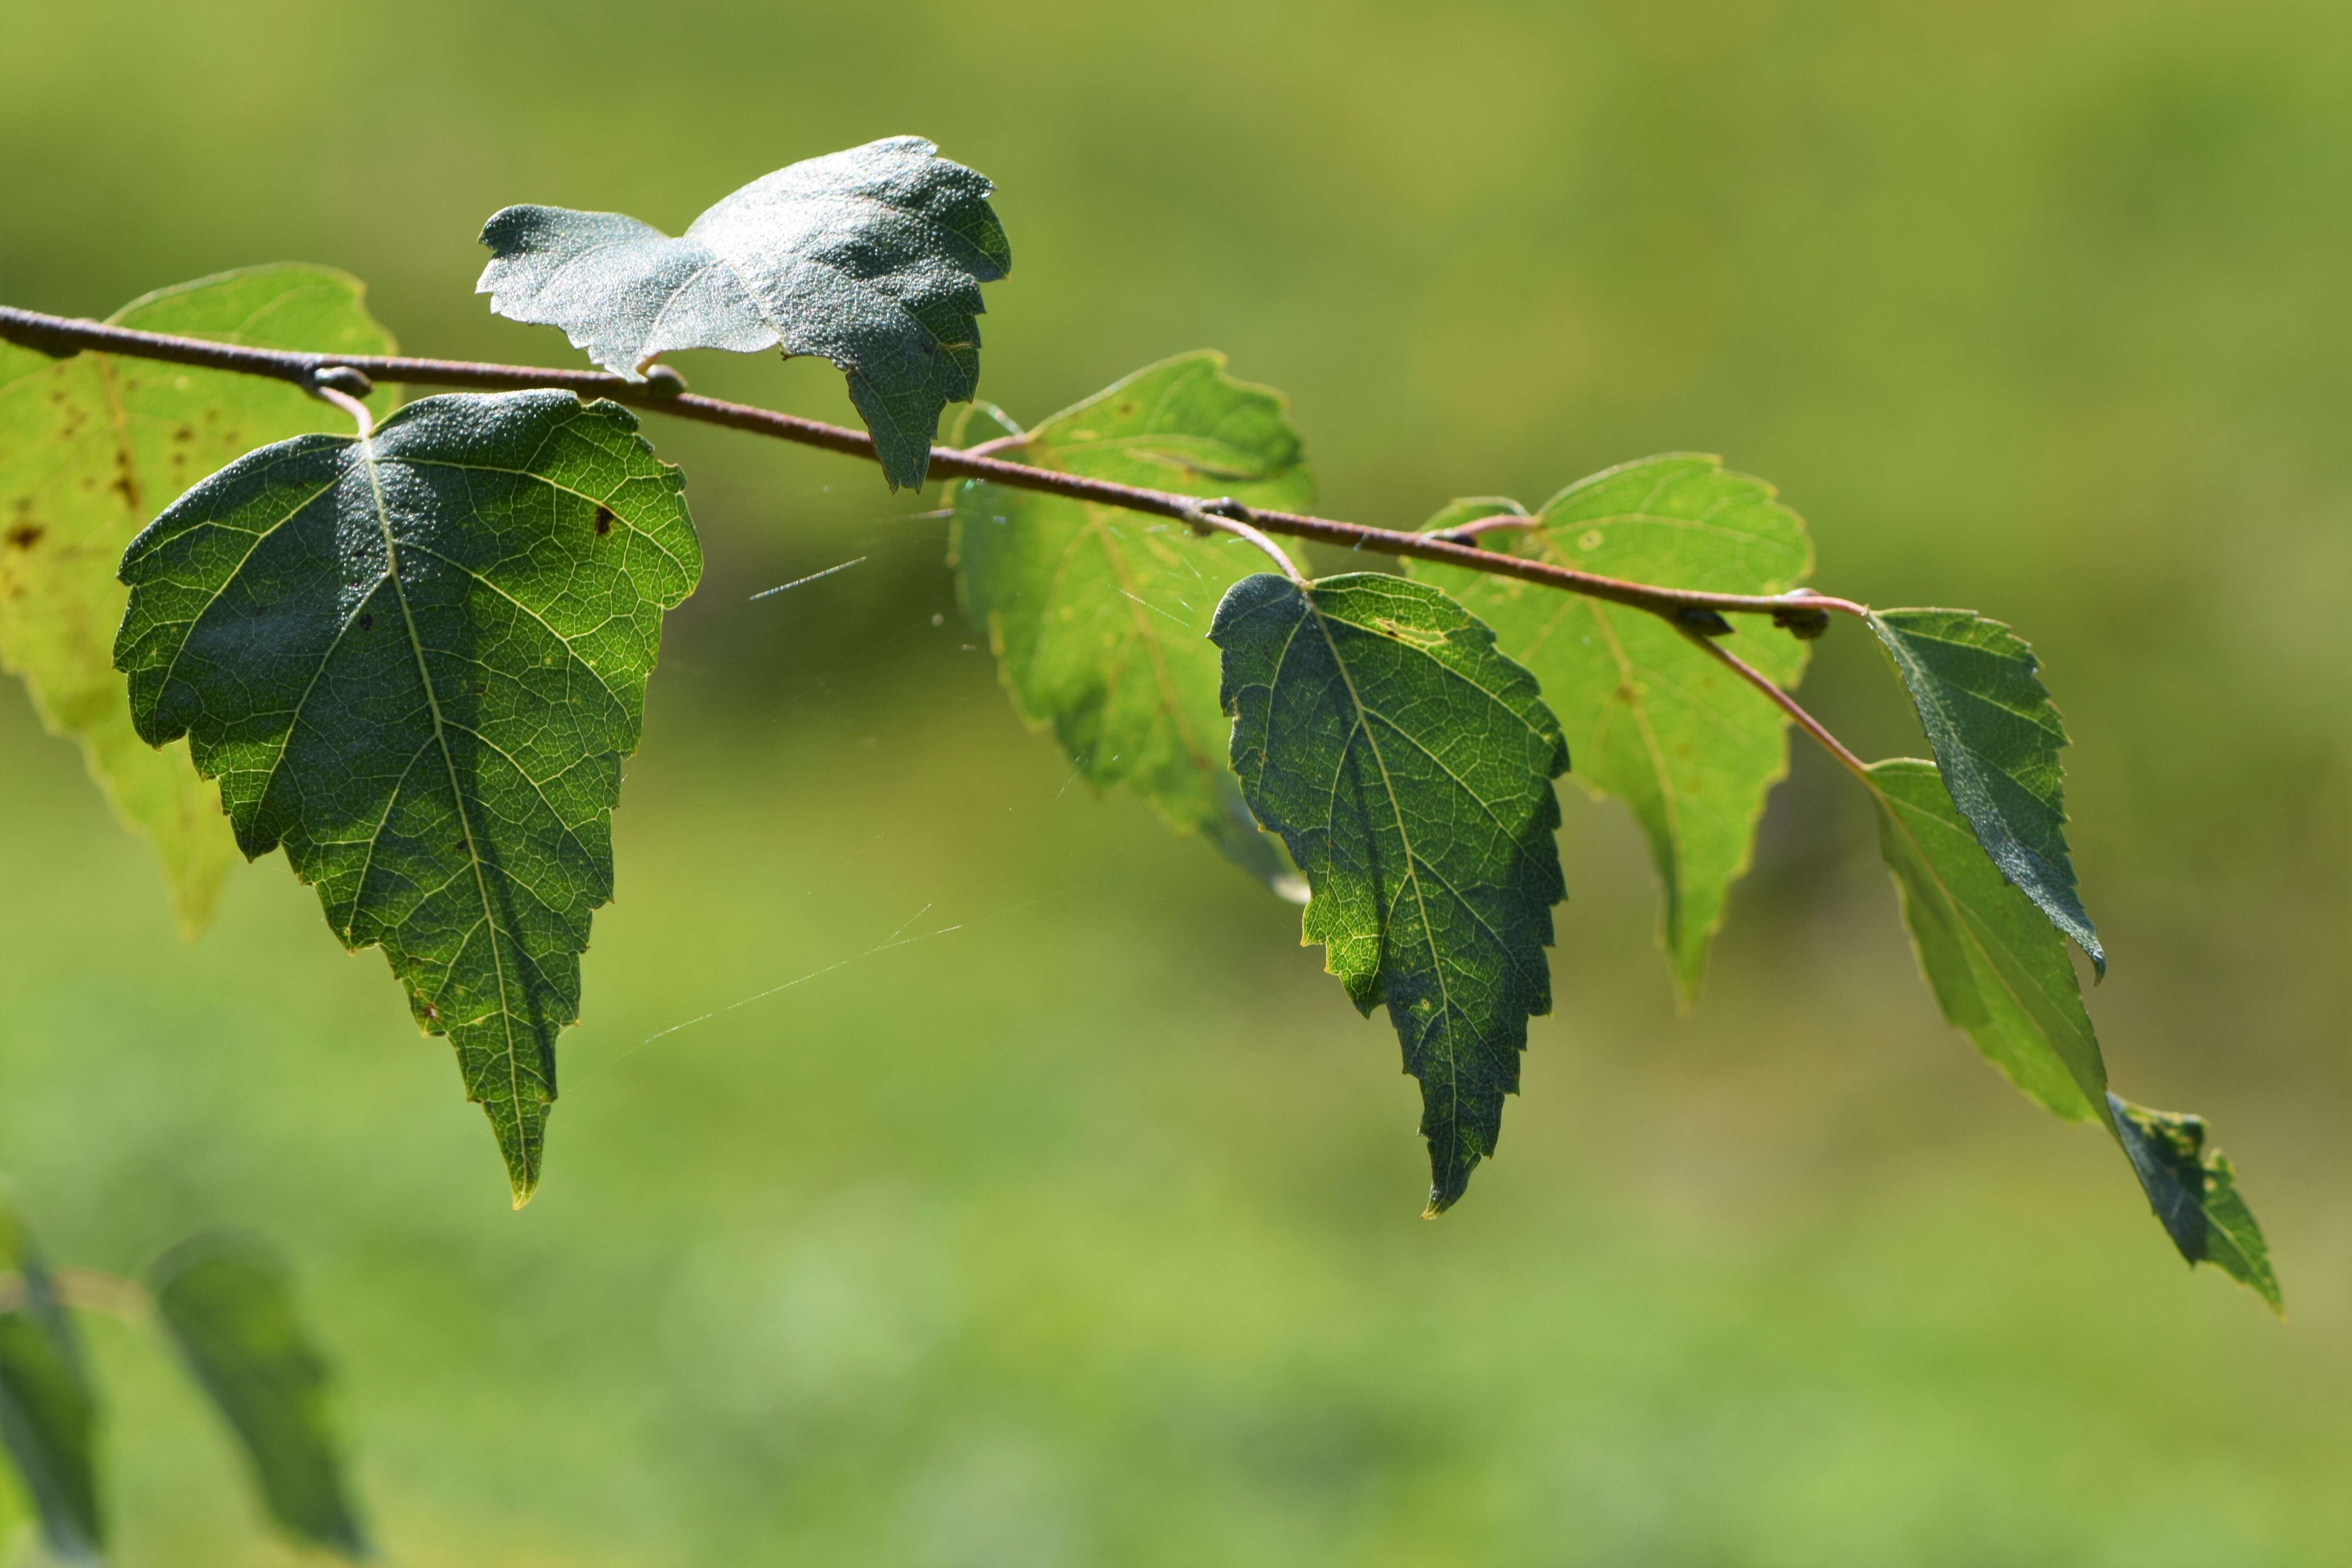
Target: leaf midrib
[[366, 444], [1412, 875]]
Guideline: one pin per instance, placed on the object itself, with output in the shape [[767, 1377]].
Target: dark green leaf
[[1651, 719], [1997, 736], [872, 259], [229, 1306], [2194, 1191], [417, 663], [48, 1414], [1408, 765], [90, 449], [1996, 968], [1100, 617]]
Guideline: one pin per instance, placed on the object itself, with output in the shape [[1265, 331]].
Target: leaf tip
[[1446, 1190]]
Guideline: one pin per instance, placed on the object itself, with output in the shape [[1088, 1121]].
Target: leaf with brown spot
[[91, 448]]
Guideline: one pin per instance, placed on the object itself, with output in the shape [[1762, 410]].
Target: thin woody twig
[[1787, 704], [1217, 516], [661, 392]]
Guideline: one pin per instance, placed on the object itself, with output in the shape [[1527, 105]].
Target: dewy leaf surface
[[48, 1414], [1651, 719], [417, 662], [230, 1308], [1100, 617], [91, 448], [2194, 1192], [872, 259], [1408, 765], [1998, 971], [1997, 736]]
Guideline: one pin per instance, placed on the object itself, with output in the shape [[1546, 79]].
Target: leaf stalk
[[1788, 704]]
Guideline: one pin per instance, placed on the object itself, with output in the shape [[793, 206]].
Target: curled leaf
[[872, 259], [2194, 1192]]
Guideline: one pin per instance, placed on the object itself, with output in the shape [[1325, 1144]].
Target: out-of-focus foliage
[[978, 1246], [227, 1301], [49, 1412]]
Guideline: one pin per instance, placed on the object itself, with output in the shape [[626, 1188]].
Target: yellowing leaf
[[1100, 617], [1651, 719], [93, 447]]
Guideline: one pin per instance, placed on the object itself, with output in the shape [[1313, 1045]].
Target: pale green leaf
[[2002, 974], [91, 448], [1408, 765], [1651, 719], [1997, 736], [48, 1412], [1100, 617], [1989, 956], [872, 259], [417, 662], [228, 1305], [2194, 1192]]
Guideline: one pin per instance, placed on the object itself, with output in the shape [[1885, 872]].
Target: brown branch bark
[[1804, 612]]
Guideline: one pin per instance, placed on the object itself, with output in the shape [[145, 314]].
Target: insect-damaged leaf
[[1100, 617], [229, 1307], [1997, 736], [2001, 973], [91, 448], [48, 1414], [2194, 1191], [1651, 719], [1408, 765], [872, 259], [417, 661]]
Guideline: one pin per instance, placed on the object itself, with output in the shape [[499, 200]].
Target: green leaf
[[417, 662], [1651, 719], [2194, 1191], [1408, 765], [1100, 617], [1997, 971], [2002, 974], [91, 448], [872, 259], [48, 1412], [1997, 737], [228, 1304]]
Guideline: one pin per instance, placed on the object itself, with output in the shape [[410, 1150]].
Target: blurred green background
[[1085, 1232]]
